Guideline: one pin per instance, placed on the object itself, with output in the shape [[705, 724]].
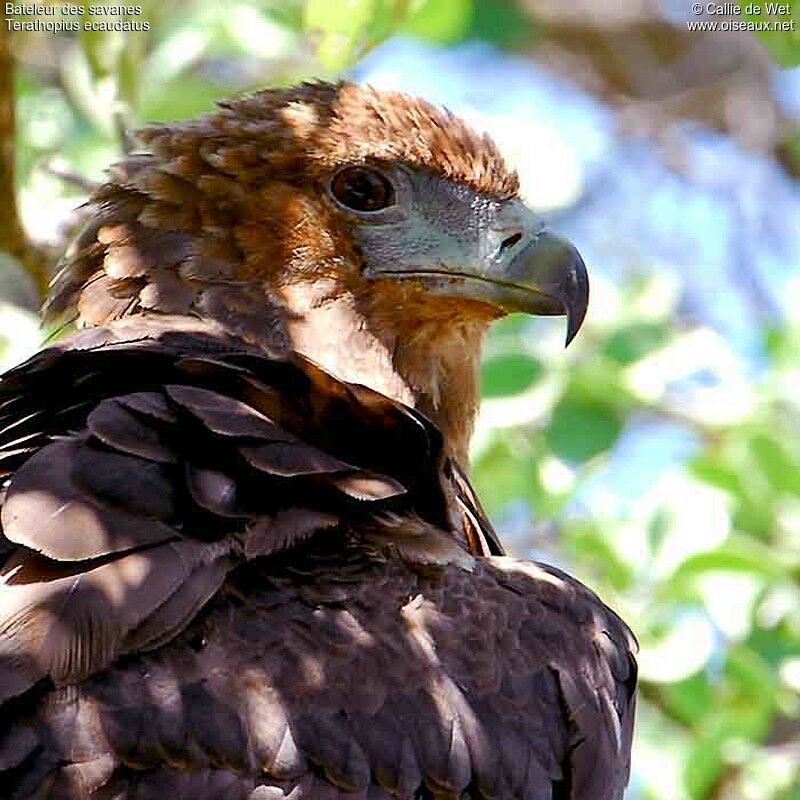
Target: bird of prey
[[240, 556]]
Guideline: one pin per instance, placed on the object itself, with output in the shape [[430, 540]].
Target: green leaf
[[581, 429], [509, 374], [775, 462], [742, 555], [505, 472], [690, 699], [658, 528], [502, 23], [339, 29], [704, 762], [774, 644], [589, 545], [633, 342], [336, 51], [757, 518], [599, 381], [716, 473], [731, 722], [388, 17], [751, 677], [184, 97], [348, 17], [442, 21]]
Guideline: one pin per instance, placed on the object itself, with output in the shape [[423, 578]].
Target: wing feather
[[48, 511], [154, 465], [271, 551], [68, 620]]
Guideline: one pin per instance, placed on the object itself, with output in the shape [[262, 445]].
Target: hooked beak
[[554, 280], [545, 277]]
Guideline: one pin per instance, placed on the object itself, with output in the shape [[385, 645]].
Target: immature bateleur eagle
[[240, 556]]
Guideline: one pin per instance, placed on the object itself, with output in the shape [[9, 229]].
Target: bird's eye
[[362, 189]]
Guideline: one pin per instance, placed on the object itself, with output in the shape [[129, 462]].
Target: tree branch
[[12, 235]]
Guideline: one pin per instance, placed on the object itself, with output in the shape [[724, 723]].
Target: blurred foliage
[[705, 565], [74, 91], [784, 45], [704, 562]]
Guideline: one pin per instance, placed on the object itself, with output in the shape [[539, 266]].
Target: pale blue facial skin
[[460, 243]]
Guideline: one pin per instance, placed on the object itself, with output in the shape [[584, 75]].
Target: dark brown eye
[[362, 189]]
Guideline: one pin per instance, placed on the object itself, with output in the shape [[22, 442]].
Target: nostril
[[508, 243]]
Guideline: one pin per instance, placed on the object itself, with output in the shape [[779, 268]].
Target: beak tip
[[578, 298], [570, 336], [572, 332], [575, 318]]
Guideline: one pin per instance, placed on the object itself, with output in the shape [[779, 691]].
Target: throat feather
[[429, 365]]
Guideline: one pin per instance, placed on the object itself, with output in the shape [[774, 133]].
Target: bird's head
[[369, 230]]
